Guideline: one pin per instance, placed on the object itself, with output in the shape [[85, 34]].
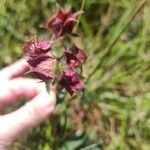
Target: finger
[[14, 70], [28, 116], [12, 90]]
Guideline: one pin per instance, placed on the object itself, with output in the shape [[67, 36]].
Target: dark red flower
[[36, 48], [42, 67], [74, 57], [70, 81], [62, 22]]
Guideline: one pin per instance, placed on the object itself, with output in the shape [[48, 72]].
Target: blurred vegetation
[[114, 111]]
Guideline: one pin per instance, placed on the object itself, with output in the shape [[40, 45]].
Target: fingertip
[[21, 64], [53, 91], [16, 69], [44, 104]]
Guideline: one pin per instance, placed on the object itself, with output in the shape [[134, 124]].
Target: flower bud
[[74, 57], [42, 67], [62, 22], [70, 81]]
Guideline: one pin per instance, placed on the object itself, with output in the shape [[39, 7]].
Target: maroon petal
[[71, 60], [42, 76], [36, 48], [74, 57], [69, 90], [56, 26], [68, 25], [77, 86], [43, 45], [78, 53], [69, 72], [63, 14]]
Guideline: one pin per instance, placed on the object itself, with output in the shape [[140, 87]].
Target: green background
[[114, 112]]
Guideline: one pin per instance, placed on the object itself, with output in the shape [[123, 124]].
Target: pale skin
[[39, 107]]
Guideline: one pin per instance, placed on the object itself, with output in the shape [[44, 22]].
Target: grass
[[114, 112]]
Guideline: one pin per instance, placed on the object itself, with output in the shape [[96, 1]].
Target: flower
[[62, 22], [42, 67], [70, 81], [74, 57], [35, 48]]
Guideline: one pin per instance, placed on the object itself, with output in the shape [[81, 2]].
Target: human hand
[[12, 86]]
